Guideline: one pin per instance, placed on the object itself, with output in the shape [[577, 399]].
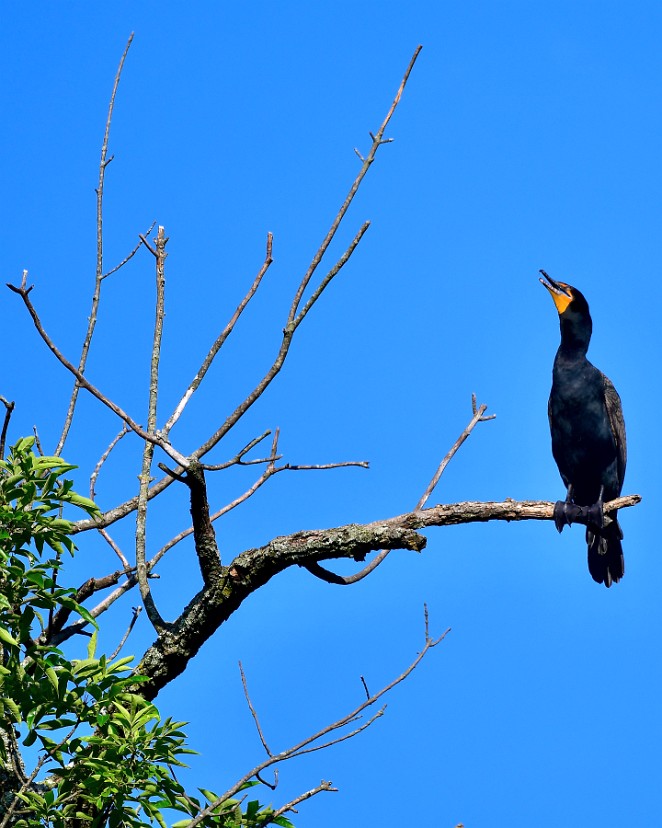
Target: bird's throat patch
[[561, 301]]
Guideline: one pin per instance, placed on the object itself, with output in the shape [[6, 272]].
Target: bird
[[588, 436]]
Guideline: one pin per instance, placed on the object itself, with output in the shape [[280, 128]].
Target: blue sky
[[528, 137]]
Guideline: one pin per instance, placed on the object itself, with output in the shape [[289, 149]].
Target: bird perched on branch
[[588, 436]]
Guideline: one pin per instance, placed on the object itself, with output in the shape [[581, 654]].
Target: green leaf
[[7, 637], [23, 445], [159, 818], [30, 738], [13, 707], [92, 645], [84, 503], [52, 677]]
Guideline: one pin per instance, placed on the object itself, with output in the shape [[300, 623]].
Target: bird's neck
[[575, 339]]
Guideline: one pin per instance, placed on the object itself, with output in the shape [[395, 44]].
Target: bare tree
[[225, 584]]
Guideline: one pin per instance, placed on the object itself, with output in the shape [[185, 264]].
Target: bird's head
[[573, 311], [566, 297]]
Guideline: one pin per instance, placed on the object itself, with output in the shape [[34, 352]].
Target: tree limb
[[212, 606], [203, 530]]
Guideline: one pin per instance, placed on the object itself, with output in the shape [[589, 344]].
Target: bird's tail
[[605, 553]]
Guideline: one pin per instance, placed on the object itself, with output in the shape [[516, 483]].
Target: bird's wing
[[617, 424]]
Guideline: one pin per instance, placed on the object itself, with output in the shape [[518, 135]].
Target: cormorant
[[588, 435]]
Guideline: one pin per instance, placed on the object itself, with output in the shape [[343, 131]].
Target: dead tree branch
[[148, 451], [376, 143], [296, 315], [253, 711], [92, 319], [478, 417], [250, 570], [345, 580], [288, 333], [211, 607], [313, 742]]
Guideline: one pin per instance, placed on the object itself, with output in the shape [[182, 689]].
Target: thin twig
[[376, 143], [103, 458], [148, 245], [9, 407], [238, 459], [253, 711], [478, 417], [104, 534], [342, 261], [291, 805], [308, 744], [130, 255], [345, 736], [345, 580], [134, 618], [92, 319], [362, 464], [271, 785], [220, 340]]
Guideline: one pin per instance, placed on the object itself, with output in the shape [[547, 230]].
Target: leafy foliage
[[105, 756]]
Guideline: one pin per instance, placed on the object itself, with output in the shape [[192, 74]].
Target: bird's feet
[[595, 518], [565, 513]]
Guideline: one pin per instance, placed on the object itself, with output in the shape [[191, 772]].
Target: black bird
[[588, 435]]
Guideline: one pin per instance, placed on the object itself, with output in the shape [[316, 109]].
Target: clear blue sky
[[529, 136]]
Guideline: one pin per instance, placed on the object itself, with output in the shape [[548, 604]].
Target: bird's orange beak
[[559, 291]]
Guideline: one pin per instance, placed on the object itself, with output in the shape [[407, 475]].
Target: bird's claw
[[565, 513], [595, 518]]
